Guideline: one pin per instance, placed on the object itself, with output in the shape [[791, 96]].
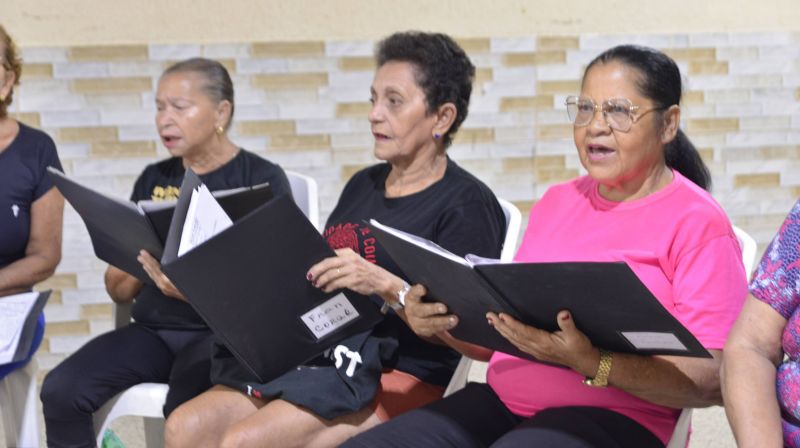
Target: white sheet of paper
[[13, 311], [330, 315], [654, 340], [204, 219], [421, 242]]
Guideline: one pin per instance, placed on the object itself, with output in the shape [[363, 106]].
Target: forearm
[[467, 349], [121, 286], [22, 274], [675, 382], [751, 404]]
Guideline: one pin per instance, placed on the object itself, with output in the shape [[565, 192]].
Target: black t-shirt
[[23, 180], [459, 213], [162, 181]]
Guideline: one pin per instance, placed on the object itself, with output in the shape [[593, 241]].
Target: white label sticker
[[653, 340], [330, 315]]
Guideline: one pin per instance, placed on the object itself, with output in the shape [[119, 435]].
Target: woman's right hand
[[427, 319], [121, 286], [153, 269]]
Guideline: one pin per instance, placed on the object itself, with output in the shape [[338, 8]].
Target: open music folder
[[18, 316], [607, 300], [248, 282], [119, 229]]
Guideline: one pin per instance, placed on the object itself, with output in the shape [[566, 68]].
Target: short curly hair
[[11, 62], [442, 70]]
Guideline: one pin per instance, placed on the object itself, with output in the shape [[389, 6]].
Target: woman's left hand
[[153, 269], [567, 346], [350, 270]]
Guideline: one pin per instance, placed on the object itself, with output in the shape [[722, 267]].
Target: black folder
[[119, 229], [607, 300], [249, 285], [29, 326]]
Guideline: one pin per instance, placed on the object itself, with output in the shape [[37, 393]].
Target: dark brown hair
[[11, 62]]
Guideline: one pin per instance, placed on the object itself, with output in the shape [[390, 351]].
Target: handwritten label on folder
[[329, 316]]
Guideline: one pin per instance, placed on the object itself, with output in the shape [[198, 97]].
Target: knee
[[238, 436], [58, 392], [180, 426], [235, 437], [243, 435]]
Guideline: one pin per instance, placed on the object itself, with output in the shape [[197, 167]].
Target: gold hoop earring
[[220, 130]]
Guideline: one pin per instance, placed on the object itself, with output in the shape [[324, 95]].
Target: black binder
[[29, 326], [608, 302], [119, 229], [249, 284]]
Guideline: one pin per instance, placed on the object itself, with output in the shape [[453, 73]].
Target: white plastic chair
[[749, 247], [513, 221], [147, 399], [18, 406], [304, 191], [680, 436]]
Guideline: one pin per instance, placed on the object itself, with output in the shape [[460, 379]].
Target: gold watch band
[[601, 377]]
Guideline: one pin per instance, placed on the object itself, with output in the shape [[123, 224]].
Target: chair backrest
[[513, 221], [304, 190], [749, 246]]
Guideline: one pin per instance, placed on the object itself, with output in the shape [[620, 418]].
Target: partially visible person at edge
[[31, 210], [761, 373], [419, 99], [168, 341], [642, 202]]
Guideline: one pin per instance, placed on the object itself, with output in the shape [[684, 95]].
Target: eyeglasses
[[619, 113]]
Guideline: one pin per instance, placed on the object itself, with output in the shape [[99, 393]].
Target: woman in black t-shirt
[[31, 210], [420, 95], [168, 342]]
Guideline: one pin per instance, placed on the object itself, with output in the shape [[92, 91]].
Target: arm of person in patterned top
[[43, 251], [748, 375]]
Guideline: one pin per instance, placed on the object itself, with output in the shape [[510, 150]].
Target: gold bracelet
[[601, 377]]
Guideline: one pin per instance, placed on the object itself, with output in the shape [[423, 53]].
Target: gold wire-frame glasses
[[619, 113]]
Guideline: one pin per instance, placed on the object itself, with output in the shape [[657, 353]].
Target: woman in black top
[[420, 95], [31, 210], [168, 342]]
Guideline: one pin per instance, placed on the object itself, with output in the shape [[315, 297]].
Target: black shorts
[[341, 381]]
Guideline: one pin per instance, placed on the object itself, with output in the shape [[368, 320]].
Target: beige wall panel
[[89, 22]]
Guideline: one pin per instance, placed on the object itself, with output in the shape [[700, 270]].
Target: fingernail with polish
[[502, 319], [489, 321], [309, 276], [565, 316]]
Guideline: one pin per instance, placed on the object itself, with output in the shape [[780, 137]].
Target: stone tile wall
[[304, 106]]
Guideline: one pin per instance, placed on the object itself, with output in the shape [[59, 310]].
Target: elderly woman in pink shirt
[[642, 202]]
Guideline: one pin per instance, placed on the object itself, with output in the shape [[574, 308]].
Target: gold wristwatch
[[601, 377]]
